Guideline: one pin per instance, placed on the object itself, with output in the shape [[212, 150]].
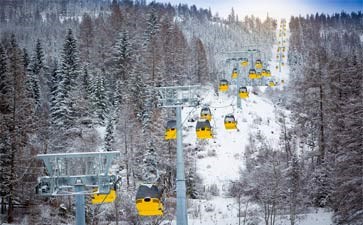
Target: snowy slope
[[219, 160]]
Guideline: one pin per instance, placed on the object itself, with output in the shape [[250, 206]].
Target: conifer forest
[[269, 133]]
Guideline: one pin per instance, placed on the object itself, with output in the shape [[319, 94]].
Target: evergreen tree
[[191, 184], [64, 112], [53, 87], [4, 82], [18, 124], [152, 27], [36, 71], [122, 56], [99, 98], [201, 63], [109, 138]]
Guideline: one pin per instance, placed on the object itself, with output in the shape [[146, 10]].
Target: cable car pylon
[[178, 97]]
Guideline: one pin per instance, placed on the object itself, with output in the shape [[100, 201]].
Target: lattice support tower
[[178, 97]]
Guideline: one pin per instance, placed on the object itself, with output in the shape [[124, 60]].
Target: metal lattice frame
[[178, 96], [65, 179]]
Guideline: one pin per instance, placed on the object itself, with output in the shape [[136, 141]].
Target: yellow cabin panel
[[170, 134], [253, 76], [271, 84], [104, 198], [266, 73], [230, 125], [149, 207], [263, 72], [258, 65], [204, 133], [244, 63], [234, 74], [223, 87], [243, 95]]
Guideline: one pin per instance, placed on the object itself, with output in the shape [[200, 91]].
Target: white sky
[[275, 8]]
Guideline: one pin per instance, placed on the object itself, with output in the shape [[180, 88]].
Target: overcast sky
[[275, 8]]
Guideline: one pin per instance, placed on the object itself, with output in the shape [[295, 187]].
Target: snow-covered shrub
[[209, 208], [211, 153], [213, 190]]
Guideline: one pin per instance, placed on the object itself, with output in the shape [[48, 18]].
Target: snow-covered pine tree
[[4, 82], [64, 114], [5, 141], [18, 125], [120, 64], [99, 98], [122, 56], [201, 62], [109, 137], [191, 184], [348, 195], [36, 71], [54, 82]]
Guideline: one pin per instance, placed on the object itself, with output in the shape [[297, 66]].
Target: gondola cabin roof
[[223, 81], [205, 110], [148, 190], [171, 124], [202, 124], [243, 89], [229, 118]]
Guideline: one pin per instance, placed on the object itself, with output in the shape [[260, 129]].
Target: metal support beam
[[178, 97], [80, 205], [181, 209], [238, 86]]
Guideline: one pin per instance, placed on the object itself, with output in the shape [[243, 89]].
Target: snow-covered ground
[[220, 159]]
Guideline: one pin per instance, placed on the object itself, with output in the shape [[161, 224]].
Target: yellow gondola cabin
[[104, 198], [148, 201], [244, 62], [234, 73], [243, 92], [206, 114], [263, 72], [268, 73], [223, 85], [258, 64], [230, 122], [252, 74], [271, 84], [170, 131], [203, 129]]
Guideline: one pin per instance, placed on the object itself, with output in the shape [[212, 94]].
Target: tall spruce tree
[[36, 71], [64, 113]]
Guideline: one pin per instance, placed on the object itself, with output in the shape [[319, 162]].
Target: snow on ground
[[220, 159]]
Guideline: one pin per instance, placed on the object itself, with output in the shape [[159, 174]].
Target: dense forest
[[319, 162], [69, 69]]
